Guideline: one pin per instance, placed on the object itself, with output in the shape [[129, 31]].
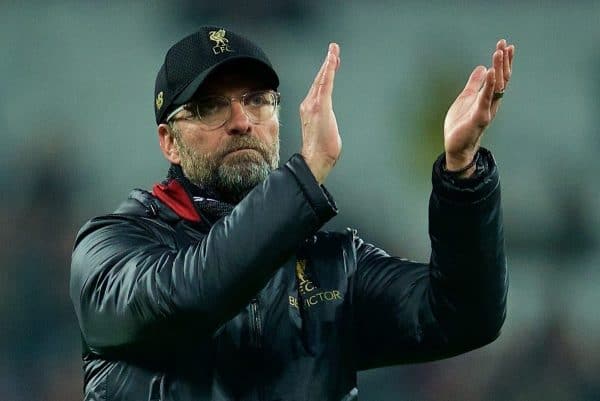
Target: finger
[[325, 86], [506, 66], [312, 91], [498, 65], [475, 80], [485, 97], [334, 49], [501, 45], [511, 56]]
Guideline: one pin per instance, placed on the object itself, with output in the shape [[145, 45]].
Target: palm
[[476, 106], [465, 123]]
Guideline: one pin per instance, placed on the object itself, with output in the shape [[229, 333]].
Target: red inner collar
[[174, 195]]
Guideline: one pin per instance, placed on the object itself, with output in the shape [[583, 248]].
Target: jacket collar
[[173, 194], [188, 201]]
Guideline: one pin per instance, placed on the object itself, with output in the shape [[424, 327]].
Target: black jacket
[[262, 306]]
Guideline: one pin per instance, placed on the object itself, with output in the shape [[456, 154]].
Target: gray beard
[[231, 176]]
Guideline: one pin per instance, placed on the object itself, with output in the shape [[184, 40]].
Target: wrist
[[319, 168], [460, 167]]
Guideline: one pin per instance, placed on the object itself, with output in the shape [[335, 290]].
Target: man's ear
[[166, 139]]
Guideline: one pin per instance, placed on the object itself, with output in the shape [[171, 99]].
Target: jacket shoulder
[[142, 203], [139, 206]]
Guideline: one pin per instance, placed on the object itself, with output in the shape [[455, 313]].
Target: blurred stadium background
[[78, 134]]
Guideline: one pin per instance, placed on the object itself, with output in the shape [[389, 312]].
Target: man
[[218, 285]]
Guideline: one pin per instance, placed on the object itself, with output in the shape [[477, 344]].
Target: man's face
[[235, 157]]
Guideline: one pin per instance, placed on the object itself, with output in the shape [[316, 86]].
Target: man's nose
[[238, 123]]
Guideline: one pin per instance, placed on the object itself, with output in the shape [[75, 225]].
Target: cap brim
[[270, 78]]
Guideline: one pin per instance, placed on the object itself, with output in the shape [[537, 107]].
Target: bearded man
[[218, 285]]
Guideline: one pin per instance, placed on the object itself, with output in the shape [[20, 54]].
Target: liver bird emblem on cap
[[221, 42]]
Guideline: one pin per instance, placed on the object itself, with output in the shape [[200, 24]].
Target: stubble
[[232, 170]]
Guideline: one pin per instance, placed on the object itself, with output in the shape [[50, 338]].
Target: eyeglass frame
[[170, 118]]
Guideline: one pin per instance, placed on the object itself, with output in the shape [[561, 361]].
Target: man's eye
[[259, 99], [210, 107]]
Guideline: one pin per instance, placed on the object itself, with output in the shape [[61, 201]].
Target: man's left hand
[[475, 108]]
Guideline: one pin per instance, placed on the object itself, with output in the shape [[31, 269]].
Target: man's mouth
[[243, 149], [240, 151]]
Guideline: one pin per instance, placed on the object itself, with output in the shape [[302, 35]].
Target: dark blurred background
[[79, 133]]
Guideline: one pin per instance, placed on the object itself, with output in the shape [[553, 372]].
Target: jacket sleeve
[[128, 287], [411, 312]]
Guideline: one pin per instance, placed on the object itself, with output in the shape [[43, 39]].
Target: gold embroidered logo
[[305, 285], [307, 289], [159, 100], [221, 42]]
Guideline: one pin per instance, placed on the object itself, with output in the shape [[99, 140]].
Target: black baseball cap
[[189, 61]]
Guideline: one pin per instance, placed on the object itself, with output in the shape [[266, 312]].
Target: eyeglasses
[[215, 111]]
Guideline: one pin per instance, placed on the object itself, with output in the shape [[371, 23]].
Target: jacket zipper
[[255, 324], [256, 334]]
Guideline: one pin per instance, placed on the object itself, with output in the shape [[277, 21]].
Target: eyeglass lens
[[216, 110]]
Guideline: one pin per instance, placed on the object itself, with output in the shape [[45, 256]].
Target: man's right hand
[[321, 142]]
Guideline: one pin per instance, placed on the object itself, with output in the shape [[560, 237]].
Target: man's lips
[[241, 150], [236, 151]]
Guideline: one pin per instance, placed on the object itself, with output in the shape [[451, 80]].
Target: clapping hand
[[475, 108], [321, 142]]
